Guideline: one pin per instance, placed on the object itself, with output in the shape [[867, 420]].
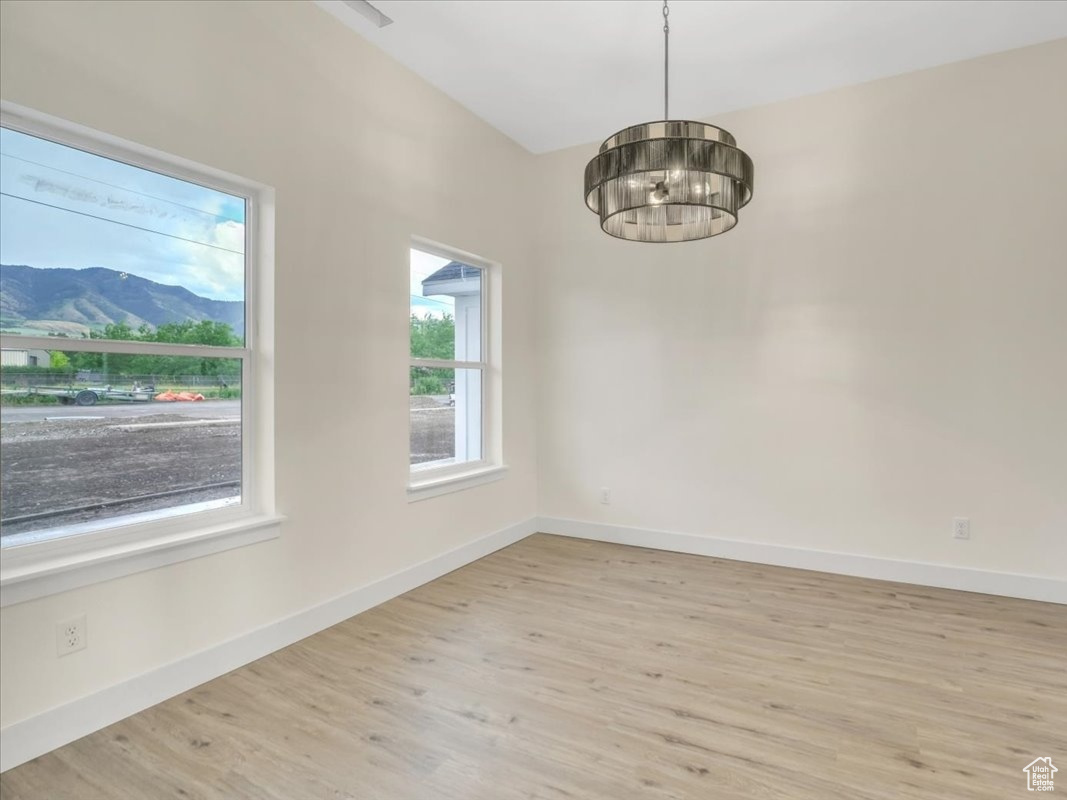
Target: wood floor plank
[[560, 668]]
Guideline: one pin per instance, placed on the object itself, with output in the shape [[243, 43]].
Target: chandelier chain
[[666, 60]]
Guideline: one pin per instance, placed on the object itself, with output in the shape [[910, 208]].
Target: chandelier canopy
[[668, 181]]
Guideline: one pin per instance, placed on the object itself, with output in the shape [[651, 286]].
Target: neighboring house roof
[[454, 278], [454, 271]]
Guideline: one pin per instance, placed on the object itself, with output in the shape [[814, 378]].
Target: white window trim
[[432, 479], [440, 484], [38, 568]]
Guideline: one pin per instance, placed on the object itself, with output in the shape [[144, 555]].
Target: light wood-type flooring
[[565, 669]]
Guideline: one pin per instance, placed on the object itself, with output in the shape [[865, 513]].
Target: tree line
[[202, 332], [432, 337]]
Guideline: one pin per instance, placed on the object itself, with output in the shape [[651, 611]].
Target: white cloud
[[83, 210]]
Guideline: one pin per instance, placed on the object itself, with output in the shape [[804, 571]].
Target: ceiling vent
[[365, 9]]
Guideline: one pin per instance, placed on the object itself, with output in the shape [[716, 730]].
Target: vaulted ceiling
[[551, 74]]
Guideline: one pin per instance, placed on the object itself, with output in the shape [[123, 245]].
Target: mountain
[[95, 296]]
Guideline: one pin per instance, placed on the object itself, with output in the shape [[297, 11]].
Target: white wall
[[880, 345], [362, 155], [877, 347]]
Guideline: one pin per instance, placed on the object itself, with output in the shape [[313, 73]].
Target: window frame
[[431, 479], [105, 549]]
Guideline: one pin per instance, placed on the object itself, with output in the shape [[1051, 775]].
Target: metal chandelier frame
[[669, 180]]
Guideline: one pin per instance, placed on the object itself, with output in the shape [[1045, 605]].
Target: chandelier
[[668, 181]]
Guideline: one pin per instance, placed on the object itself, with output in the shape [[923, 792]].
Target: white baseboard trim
[[25, 740], [1007, 584]]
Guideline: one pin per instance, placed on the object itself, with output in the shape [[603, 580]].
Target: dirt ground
[[64, 458], [433, 429], [69, 462]]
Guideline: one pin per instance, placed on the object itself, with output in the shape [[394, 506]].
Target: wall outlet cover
[[961, 528], [71, 636]]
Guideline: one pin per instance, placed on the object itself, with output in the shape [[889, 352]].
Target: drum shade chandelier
[[668, 181]]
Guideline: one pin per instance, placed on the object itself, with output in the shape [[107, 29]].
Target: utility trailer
[[90, 395]]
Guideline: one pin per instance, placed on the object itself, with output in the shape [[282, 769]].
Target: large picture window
[[448, 383], [130, 357]]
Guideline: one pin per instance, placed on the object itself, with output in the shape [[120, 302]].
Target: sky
[[422, 266], [62, 207]]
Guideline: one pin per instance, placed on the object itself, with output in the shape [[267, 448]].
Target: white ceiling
[[551, 74]]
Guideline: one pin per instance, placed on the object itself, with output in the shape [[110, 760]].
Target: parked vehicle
[[90, 395]]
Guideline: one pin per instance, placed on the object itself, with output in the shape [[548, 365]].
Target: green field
[[44, 327]]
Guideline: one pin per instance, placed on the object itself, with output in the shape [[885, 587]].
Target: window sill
[[424, 487], [27, 579]]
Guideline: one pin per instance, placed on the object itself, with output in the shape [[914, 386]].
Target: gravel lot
[[208, 409], [56, 458], [67, 460], [433, 426]]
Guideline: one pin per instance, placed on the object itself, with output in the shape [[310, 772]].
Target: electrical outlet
[[605, 495], [961, 528], [71, 636]]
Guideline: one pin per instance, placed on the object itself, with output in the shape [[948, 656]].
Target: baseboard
[[22, 741], [25, 740], [1007, 584]]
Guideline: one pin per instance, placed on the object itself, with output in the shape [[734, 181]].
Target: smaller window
[[448, 385]]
